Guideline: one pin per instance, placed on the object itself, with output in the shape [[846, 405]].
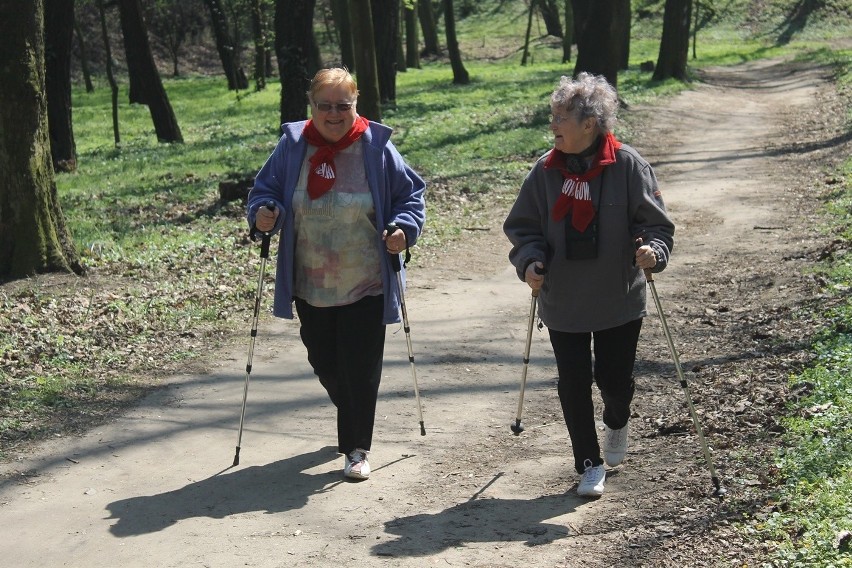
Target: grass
[[172, 273], [811, 520]]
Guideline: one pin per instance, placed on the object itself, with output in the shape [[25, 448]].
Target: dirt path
[[155, 488]]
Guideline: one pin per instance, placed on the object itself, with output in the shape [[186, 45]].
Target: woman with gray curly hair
[[588, 220]]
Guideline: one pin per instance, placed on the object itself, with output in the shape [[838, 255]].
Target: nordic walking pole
[[517, 427], [719, 491], [397, 267], [264, 254]]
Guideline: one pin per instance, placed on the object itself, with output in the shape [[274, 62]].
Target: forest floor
[[741, 160]]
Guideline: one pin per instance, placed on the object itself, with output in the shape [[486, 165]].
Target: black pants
[[615, 354], [345, 347]]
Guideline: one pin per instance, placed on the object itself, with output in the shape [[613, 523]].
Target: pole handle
[[649, 276], [266, 235], [538, 270], [395, 263]]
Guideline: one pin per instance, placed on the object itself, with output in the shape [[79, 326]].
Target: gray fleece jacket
[[602, 292]]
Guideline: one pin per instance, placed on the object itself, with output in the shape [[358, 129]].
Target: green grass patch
[[811, 521]]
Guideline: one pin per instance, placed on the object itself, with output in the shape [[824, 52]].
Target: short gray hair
[[587, 96]]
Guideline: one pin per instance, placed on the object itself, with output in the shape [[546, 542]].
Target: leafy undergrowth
[[807, 519], [73, 349]]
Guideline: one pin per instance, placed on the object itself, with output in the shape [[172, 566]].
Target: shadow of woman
[[275, 487], [480, 520]]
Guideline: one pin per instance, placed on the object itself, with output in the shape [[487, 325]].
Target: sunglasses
[[328, 107]]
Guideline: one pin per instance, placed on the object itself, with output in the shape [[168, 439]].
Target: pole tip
[[236, 457], [422, 429], [517, 427]]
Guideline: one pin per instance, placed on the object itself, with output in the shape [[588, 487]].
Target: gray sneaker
[[592, 482], [615, 445]]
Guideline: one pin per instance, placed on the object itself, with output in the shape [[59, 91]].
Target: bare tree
[[460, 75], [674, 45], [426, 15], [412, 36], [365, 60], [530, 12], [293, 39], [110, 77], [599, 45], [401, 63], [258, 28], [225, 46], [84, 57], [568, 36], [172, 24], [33, 234], [340, 13], [143, 72], [582, 9], [58, 36], [385, 14], [622, 22], [550, 14], [704, 14]]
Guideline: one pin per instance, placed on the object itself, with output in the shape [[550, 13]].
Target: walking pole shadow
[[480, 520], [275, 487]]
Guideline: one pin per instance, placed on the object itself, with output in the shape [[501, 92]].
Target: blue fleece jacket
[[398, 196]]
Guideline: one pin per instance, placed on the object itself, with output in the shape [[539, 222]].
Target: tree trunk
[[412, 37], [426, 15], [84, 58], [258, 28], [599, 46], [623, 22], [401, 63], [674, 45], [582, 10], [33, 234], [550, 14], [340, 13], [385, 15], [314, 56], [140, 64], [568, 38], [695, 28], [112, 84], [460, 76], [58, 36], [293, 37], [530, 12], [365, 60], [225, 46]]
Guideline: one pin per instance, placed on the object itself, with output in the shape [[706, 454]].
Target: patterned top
[[337, 257]]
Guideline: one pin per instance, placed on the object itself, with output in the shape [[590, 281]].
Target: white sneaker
[[615, 445], [592, 482], [356, 465]]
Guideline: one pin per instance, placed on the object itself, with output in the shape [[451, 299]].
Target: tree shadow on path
[[481, 520], [275, 487]]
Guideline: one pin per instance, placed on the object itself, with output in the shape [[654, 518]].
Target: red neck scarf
[[322, 173], [575, 198]]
